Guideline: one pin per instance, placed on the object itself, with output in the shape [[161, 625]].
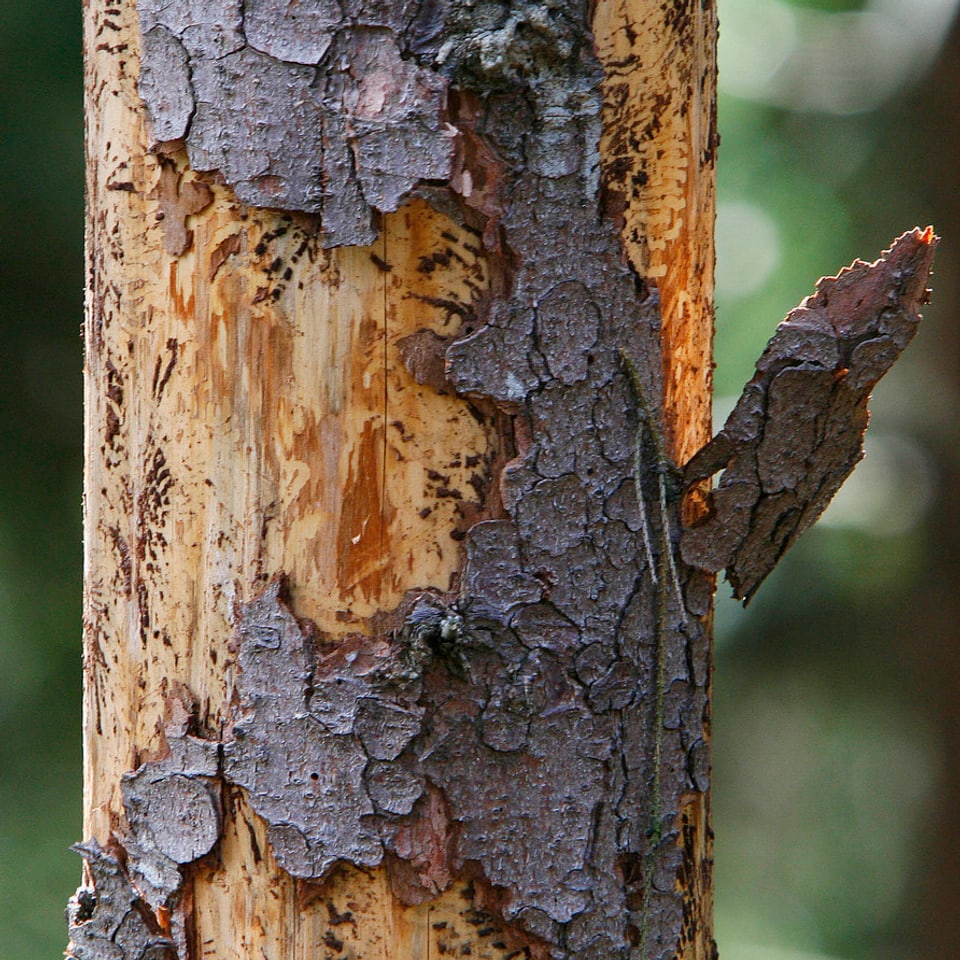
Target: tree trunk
[[386, 654]]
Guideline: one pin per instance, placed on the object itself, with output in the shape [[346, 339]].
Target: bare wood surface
[[659, 152]]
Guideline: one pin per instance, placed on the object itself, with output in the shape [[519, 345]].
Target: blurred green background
[[836, 692]]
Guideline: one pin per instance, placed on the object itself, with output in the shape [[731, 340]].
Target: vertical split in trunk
[[471, 717]]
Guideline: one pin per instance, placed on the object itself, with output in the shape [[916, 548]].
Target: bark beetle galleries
[[570, 662]]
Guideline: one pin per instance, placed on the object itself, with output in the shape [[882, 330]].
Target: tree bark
[[386, 653]]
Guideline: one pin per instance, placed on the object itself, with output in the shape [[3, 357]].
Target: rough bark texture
[[108, 919], [797, 431], [505, 706]]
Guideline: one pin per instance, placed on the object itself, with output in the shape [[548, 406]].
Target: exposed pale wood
[[238, 424], [241, 422], [659, 145], [259, 911]]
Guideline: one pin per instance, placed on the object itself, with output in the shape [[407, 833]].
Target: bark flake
[[107, 918], [172, 808], [797, 430]]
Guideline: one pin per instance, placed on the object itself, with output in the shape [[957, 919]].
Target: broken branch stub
[[797, 430]]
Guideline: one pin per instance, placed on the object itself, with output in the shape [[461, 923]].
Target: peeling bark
[[108, 919], [797, 430], [312, 108], [173, 812], [578, 664]]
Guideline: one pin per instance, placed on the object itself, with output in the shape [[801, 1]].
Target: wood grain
[[659, 156]]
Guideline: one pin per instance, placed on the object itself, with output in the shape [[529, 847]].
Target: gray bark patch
[[208, 29], [165, 82], [306, 106], [298, 31], [303, 770], [247, 90], [108, 920], [173, 813]]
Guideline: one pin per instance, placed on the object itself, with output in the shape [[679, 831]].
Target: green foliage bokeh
[[41, 272]]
